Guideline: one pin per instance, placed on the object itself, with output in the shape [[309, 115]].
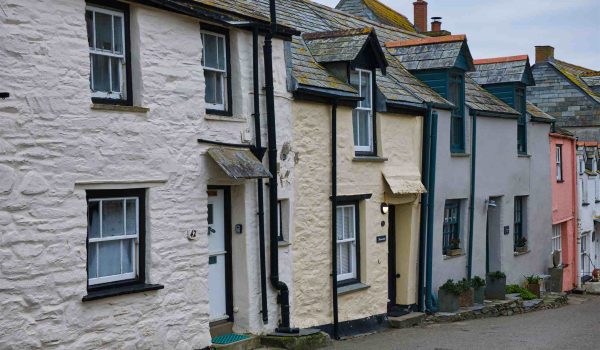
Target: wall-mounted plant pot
[[520, 249], [454, 252], [534, 288], [466, 298], [479, 295], [448, 301], [495, 288]]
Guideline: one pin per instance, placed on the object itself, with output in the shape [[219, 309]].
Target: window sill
[[448, 257], [219, 112], [351, 288], [224, 118], [284, 244], [560, 181], [374, 159], [585, 204], [113, 292], [524, 155], [459, 154], [521, 253], [119, 108]]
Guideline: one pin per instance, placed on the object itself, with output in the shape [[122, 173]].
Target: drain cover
[[229, 338]]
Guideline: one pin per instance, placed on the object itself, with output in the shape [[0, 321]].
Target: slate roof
[[340, 45], [479, 99], [574, 74], [537, 115], [513, 69], [376, 11], [431, 53]]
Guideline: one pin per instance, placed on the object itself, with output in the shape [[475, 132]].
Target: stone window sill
[[522, 253], [447, 257], [524, 155], [123, 290], [223, 118], [119, 108], [374, 159], [460, 154], [351, 288], [284, 244]]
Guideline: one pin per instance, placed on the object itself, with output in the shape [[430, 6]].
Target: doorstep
[[406, 321]]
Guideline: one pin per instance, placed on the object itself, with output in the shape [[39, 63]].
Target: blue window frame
[[520, 101], [456, 95], [451, 226], [519, 218]]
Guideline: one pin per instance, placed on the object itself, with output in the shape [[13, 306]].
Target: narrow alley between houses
[[575, 326]]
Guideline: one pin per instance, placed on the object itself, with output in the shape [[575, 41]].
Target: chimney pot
[[420, 7], [436, 24], [544, 53]]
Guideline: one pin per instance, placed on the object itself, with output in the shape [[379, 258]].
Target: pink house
[[564, 203]]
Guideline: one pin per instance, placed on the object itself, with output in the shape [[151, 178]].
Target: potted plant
[[533, 284], [521, 245], [448, 296], [466, 297], [478, 285], [495, 285], [454, 247]]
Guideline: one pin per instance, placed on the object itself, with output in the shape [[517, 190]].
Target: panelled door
[[218, 254]]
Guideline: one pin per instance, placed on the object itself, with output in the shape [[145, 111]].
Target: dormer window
[[456, 95], [362, 116]]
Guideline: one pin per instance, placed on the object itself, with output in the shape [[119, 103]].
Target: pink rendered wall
[[564, 204]]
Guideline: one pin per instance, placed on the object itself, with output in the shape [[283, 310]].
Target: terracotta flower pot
[[466, 298], [534, 288], [454, 252]]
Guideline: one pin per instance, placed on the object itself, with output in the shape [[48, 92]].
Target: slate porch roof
[[479, 99], [441, 52], [513, 69], [537, 115], [376, 11]]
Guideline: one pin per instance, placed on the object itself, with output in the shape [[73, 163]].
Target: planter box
[[479, 295], [466, 299], [454, 252], [534, 288], [448, 301], [521, 249], [495, 288]]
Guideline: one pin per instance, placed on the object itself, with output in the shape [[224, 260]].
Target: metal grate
[[229, 338]]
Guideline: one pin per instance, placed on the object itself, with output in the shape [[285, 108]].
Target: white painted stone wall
[[588, 210], [51, 141]]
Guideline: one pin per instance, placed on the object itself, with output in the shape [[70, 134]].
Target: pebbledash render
[[105, 193]]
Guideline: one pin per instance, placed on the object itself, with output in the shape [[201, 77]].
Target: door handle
[[211, 230], [397, 275]]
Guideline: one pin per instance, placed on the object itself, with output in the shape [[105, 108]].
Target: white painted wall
[[589, 208]]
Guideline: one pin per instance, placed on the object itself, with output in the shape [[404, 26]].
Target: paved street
[[575, 326]]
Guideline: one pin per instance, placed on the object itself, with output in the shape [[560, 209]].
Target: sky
[[514, 27]]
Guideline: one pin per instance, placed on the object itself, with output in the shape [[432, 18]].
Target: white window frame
[[559, 170], [557, 239], [135, 238], [370, 147], [353, 256], [94, 51], [584, 255], [223, 72]]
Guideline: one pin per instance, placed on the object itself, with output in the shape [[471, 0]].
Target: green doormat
[[229, 338]]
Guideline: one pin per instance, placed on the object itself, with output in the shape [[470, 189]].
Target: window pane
[[110, 258], [104, 32], [112, 218], [219, 88], [127, 262], [94, 219], [118, 33], [344, 258], [210, 94], [210, 51], [364, 121], [89, 21], [355, 125], [221, 53], [115, 70], [349, 222], [365, 86], [100, 73], [340, 223], [92, 260], [131, 222]]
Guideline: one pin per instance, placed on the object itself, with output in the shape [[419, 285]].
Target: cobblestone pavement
[[575, 326]]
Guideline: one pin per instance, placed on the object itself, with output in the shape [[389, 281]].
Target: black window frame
[[228, 112], [122, 7], [140, 279], [559, 164], [448, 235], [519, 219], [457, 117], [356, 205], [520, 101], [280, 235]]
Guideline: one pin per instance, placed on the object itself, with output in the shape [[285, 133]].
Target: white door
[[217, 293]]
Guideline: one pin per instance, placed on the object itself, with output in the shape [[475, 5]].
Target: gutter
[[472, 195]]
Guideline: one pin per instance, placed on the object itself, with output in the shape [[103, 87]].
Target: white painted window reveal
[[559, 175], [362, 116], [557, 239], [214, 61], [346, 242], [106, 39], [113, 239]]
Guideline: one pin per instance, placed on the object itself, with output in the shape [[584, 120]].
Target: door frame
[[228, 246], [392, 278]]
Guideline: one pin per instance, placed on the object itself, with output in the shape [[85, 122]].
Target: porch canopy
[[404, 180], [238, 163]]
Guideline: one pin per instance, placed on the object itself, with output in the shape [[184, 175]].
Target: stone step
[[221, 328], [307, 339], [406, 321], [251, 343]]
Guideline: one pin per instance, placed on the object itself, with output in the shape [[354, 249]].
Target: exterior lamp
[[384, 208]]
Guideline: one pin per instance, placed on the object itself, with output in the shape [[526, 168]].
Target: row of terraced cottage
[[197, 168]]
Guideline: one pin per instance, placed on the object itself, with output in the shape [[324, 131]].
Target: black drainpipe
[[425, 161], [334, 296], [259, 182], [284, 295]]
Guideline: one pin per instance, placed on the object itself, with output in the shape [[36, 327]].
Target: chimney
[[436, 24], [420, 7], [544, 53]]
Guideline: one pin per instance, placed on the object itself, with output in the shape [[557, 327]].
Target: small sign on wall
[[381, 239], [506, 230]]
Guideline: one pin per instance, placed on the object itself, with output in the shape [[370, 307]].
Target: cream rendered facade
[[54, 147], [400, 152]]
